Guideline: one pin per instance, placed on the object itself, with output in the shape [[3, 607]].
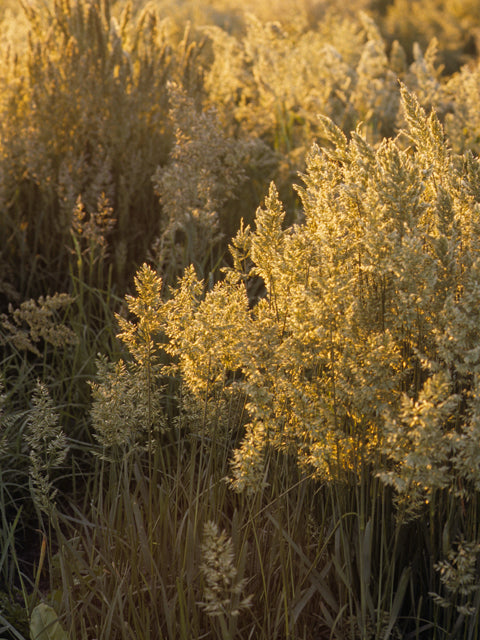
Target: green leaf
[[398, 600], [44, 624]]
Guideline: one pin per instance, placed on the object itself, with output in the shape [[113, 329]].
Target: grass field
[[239, 320]]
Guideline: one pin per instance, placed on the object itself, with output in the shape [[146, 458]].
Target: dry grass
[[279, 440]]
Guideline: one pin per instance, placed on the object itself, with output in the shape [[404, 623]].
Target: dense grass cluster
[[239, 320]]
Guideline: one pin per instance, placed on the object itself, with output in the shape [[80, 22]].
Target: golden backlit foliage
[[364, 344], [86, 111], [210, 407]]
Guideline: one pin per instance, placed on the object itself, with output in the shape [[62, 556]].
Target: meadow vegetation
[[239, 320]]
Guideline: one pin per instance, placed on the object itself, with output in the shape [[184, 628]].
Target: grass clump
[[353, 373]]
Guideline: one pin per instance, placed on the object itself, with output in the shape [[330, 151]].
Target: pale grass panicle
[[355, 629], [375, 93], [48, 448], [127, 409], [466, 448], [200, 334], [463, 121], [424, 77], [248, 465], [204, 354], [204, 171], [90, 231], [142, 336], [223, 590], [418, 443], [37, 320], [459, 577], [5, 419], [197, 327]]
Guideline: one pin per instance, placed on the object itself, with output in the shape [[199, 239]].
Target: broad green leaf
[[44, 624]]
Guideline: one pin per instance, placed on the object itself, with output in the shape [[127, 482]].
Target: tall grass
[[279, 441]]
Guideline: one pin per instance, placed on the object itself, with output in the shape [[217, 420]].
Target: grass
[[273, 436]]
